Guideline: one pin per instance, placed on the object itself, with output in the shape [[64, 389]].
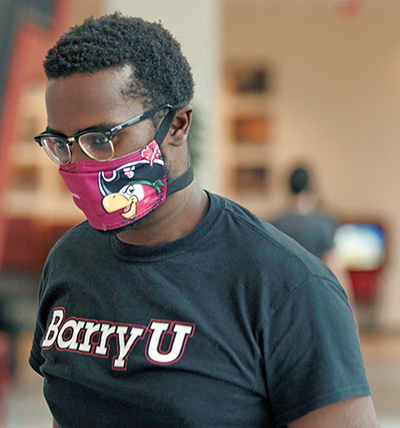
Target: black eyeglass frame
[[109, 134]]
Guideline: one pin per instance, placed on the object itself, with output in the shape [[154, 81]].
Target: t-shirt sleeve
[[312, 351], [36, 359]]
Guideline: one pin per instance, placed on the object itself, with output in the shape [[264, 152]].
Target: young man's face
[[83, 101]]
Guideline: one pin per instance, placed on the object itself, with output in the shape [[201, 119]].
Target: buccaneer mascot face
[[120, 191], [128, 186]]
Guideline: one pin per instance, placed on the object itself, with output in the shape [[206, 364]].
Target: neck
[[176, 218], [304, 203]]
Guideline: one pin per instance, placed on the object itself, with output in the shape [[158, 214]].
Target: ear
[[179, 129]]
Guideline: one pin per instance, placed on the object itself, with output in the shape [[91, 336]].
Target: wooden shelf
[[249, 123]]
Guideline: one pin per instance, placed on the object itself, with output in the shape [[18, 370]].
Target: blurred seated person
[[311, 227]]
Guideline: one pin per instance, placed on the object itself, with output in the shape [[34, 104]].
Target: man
[[302, 220], [172, 306], [311, 227]]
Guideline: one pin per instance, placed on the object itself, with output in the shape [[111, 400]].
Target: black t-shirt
[[315, 231], [232, 326]]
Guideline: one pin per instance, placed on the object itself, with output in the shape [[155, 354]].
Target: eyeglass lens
[[97, 146], [57, 149]]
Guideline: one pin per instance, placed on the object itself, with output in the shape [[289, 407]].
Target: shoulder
[[266, 244], [285, 217], [275, 266], [325, 218], [76, 242]]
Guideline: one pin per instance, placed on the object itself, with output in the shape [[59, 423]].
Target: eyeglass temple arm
[[147, 114], [139, 118]]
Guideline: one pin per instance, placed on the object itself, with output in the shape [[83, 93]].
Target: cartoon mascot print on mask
[[120, 191], [137, 183]]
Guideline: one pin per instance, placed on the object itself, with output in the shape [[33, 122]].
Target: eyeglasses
[[96, 143]]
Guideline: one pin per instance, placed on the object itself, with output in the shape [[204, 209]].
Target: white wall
[[196, 25], [337, 105]]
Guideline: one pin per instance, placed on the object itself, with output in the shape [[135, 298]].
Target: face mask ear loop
[[187, 177], [167, 122], [181, 182]]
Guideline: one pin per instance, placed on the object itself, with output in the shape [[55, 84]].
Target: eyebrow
[[53, 131], [101, 126]]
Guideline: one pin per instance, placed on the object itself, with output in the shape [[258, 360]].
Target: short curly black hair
[[161, 73], [299, 180]]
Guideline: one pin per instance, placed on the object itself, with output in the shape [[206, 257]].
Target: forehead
[[84, 100]]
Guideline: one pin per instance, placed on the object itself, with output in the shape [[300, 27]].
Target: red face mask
[[118, 192], [121, 191]]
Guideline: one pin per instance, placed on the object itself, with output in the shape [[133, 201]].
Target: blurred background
[[278, 82]]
